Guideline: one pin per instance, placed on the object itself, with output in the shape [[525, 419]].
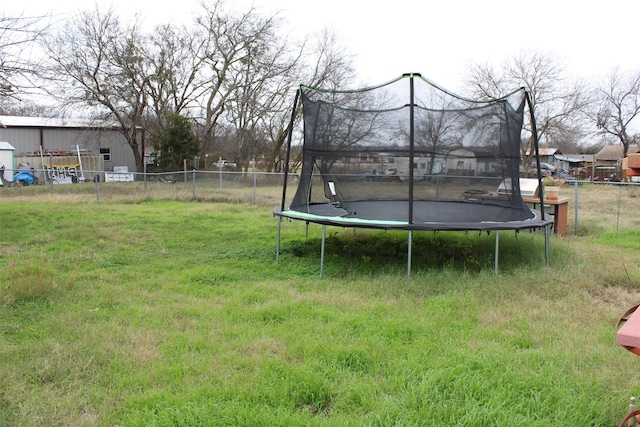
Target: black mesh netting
[[410, 152]]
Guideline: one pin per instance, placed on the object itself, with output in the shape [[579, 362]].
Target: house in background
[[611, 155], [577, 166], [577, 160], [547, 155], [608, 161], [42, 140]]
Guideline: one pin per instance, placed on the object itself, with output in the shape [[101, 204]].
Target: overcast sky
[[439, 39]]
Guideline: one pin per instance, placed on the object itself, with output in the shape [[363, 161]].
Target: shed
[[547, 155], [6, 161]]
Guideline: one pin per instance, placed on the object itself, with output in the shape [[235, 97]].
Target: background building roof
[[614, 152], [50, 122], [6, 146]]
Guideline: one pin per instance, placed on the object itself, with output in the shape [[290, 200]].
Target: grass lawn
[[161, 312]]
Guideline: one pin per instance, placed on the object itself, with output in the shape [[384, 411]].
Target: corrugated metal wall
[[23, 140], [28, 140]]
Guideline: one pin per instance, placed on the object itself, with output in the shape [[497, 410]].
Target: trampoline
[[428, 215], [409, 155]]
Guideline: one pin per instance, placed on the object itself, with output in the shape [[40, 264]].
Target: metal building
[[33, 136]]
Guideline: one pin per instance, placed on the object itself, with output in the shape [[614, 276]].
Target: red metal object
[[631, 419], [628, 336], [628, 330]]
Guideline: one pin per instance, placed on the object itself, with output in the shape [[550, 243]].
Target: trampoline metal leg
[[324, 233], [497, 252], [278, 241], [546, 244], [409, 255]]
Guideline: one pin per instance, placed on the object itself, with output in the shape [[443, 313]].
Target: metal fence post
[[185, 173], [255, 186], [576, 207], [193, 185], [619, 202], [96, 178]]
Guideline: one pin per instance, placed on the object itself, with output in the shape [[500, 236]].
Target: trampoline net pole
[[536, 147], [288, 154], [411, 147]]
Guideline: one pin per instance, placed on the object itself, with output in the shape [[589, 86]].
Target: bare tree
[[25, 107], [254, 71], [329, 63], [325, 64], [230, 72], [617, 105], [176, 56], [176, 63], [18, 36], [435, 133], [557, 102], [230, 38], [99, 64], [265, 77]]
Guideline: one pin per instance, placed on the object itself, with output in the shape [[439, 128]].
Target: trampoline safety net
[[409, 154]]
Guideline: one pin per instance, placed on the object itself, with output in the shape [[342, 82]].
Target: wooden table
[[560, 208], [560, 212]]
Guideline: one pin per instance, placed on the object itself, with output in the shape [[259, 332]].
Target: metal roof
[[614, 152], [546, 151], [53, 122], [575, 158]]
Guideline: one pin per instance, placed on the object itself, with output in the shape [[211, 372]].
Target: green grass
[[175, 313]]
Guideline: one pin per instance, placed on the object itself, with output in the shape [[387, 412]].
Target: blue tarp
[[25, 178]]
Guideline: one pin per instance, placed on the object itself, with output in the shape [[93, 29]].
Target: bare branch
[[557, 102], [19, 65], [617, 106]]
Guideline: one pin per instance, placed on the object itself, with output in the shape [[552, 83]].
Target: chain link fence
[[592, 206], [602, 206], [221, 186]]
